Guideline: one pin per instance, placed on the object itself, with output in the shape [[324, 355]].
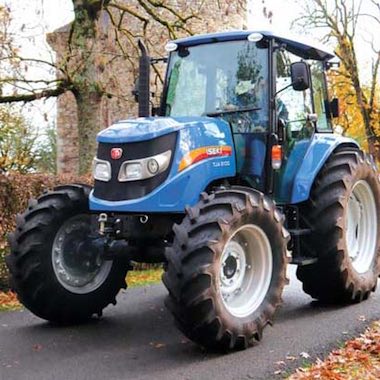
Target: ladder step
[[300, 232], [303, 260]]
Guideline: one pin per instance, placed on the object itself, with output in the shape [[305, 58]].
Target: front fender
[[320, 148]]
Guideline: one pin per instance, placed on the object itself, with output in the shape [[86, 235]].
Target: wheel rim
[[361, 228], [77, 269], [246, 270]]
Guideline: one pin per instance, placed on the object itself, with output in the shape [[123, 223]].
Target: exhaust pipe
[[144, 82]]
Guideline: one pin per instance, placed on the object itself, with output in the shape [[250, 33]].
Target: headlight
[[144, 168], [101, 170], [133, 171]]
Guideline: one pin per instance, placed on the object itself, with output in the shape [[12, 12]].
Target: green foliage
[[16, 141], [46, 152], [22, 149]]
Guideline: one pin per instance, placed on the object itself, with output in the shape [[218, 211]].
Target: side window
[[292, 106], [319, 95]]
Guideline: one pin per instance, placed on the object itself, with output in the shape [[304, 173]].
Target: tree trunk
[[89, 124], [67, 135], [87, 88], [366, 114]]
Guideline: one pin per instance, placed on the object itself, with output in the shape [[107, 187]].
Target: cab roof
[[298, 47]]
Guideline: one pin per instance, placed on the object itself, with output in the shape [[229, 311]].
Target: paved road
[[137, 340]]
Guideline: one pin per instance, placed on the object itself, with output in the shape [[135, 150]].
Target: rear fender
[[320, 148]]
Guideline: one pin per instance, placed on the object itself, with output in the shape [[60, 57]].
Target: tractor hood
[[201, 151], [147, 128]]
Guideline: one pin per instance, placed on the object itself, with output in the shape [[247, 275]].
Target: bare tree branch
[[34, 96]]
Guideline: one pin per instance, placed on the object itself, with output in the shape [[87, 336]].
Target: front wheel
[[226, 270], [53, 270]]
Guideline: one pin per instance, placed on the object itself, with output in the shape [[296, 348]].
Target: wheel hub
[[245, 270], [77, 268], [230, 267]]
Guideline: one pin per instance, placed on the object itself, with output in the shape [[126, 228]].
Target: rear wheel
[[226, 270], [343, 213], [53, 270]]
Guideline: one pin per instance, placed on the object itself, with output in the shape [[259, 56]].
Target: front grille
[[114, 190]]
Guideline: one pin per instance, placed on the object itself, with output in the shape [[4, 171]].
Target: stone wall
[[118, 75]]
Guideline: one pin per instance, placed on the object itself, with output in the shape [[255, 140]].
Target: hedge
[[15, 191]]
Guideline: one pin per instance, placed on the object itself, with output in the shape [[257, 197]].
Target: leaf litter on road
[[358, 359]]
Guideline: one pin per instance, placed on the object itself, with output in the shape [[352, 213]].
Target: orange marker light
[[276, 157]]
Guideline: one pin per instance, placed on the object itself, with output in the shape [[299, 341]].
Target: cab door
[[294, 115]]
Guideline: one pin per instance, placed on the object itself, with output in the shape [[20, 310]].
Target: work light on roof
[[171, 46], [255, 37]]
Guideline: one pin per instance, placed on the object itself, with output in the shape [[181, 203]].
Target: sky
[[38, 17]]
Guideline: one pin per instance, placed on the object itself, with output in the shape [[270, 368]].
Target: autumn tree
[[86, 67], [341, 20], [350, 120]]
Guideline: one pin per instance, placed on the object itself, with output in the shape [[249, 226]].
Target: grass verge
[[8, 300], [143, 277]]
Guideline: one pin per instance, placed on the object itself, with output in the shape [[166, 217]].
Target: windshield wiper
[[226, 111]]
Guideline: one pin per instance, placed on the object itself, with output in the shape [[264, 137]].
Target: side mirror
[[334, 107], [300, 74]]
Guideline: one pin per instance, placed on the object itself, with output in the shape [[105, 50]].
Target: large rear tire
[[227, 268], [52, 272], [343, 214]]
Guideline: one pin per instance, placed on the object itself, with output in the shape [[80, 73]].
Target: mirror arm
[[284, 88]]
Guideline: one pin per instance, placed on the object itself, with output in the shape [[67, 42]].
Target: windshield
[[212, 78]]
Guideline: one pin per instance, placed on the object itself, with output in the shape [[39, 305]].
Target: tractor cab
[[269, 89]]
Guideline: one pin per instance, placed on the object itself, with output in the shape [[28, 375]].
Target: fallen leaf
[[37, 347], [157, 345]]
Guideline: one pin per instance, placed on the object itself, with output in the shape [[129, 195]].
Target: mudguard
[[317, 152]]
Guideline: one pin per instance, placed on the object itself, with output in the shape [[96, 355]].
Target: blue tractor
[[239, 174]]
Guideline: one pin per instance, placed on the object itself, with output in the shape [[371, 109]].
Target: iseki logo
[[214, 151], [116, 153]]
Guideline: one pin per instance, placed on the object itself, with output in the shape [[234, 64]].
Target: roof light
[[255, 37], [171, 46]]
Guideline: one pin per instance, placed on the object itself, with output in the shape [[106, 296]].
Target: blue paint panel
[[147, 128], [286, 177], [319, 150], [180, 188]]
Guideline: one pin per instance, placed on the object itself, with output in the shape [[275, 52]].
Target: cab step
[[303, 260]]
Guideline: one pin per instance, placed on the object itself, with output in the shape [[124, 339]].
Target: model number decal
[[219, 164]]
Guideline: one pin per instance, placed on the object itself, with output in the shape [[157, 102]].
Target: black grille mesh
[[118, 191]]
